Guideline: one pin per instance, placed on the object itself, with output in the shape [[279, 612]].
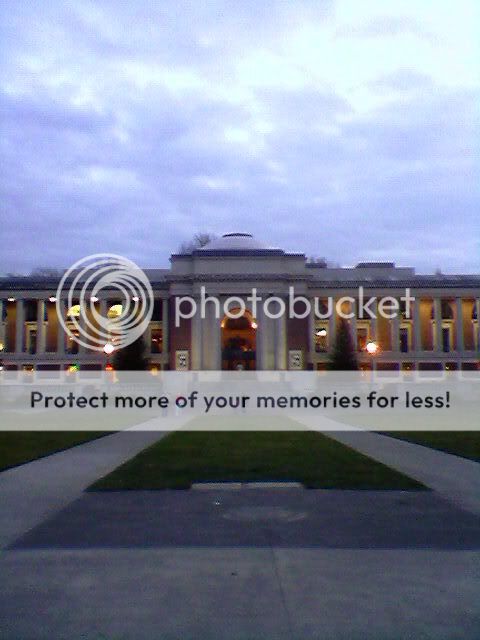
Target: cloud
[[387, 26], [130, 126]]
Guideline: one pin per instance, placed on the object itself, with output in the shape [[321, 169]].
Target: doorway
[[239, 342]]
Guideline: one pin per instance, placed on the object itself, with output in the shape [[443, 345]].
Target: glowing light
[[254, 325], [115, 311], [108, 348], [52, 299], [74, 311], [135, 298], [322, 332], [109, 367], [2, 346], [11, 299], [372, 347], [73, 368], [94, 299]]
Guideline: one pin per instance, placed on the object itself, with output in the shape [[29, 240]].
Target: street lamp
[[372, 349], [108, 348]]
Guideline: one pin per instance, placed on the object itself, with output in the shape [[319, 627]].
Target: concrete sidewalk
[[240, 594], [454, 478], [294, 518], [357, 565], [34, 491]]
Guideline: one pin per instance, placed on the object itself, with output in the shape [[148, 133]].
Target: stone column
[[103, 307], [82, 350], [396, 332], [165, 345], [60, 330], [41, 326], [417, 326], [2, 327], [215, 339], [353, 325], [19, 327], [147, 336], [332, 327], [311, 334], [196, 347], [477, 306], [437, 315], [281, 342], [459, 325], [261, 337], [373, 322]]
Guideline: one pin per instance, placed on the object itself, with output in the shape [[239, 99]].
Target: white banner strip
[[273, 401]]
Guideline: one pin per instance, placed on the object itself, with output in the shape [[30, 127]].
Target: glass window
[[446, 339], [362, 339], [404, 340], [156, 345], [321, 339], [72, 345]]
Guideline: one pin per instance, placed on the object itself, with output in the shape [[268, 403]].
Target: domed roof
[[236, 242]]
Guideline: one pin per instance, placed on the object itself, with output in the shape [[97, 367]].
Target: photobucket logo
[[92, 280], [347, 307]]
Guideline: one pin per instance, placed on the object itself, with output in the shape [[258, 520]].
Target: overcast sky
[[342, 129]]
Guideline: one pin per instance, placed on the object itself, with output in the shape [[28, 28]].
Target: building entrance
[[239, 342]]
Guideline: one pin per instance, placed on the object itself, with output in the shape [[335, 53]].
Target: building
[[441, 331]]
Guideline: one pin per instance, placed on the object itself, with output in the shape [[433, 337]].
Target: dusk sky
[[346, 129]]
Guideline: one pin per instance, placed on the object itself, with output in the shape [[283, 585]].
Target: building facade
[[440, 331]]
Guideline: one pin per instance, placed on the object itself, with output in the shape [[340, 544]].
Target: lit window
[[156, 341], [115, 311], [321, 339], [74, 311]]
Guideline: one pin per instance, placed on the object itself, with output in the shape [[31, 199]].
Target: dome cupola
[[235, 243]]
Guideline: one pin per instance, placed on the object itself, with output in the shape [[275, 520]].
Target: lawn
[[460, 443], [460, 418], [184, 457], [18, 447], [39, 434]]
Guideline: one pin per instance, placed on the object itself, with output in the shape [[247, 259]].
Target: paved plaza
[[239, 563]]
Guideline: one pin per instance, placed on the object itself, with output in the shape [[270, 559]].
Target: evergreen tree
[[131, 357], [343, 357]]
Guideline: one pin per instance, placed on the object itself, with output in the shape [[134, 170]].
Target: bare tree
[[199, 240]]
